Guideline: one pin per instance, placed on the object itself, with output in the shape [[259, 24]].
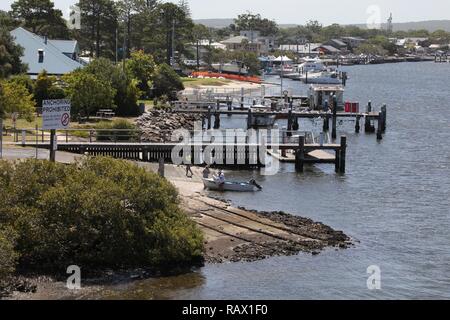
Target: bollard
[[161, 167]]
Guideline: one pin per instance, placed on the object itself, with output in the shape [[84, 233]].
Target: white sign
[[55, 114]]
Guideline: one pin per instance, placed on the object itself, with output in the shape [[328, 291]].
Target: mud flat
[[236, 234]]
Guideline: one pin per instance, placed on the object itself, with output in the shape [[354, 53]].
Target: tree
[[169, 17], [87, 93], [200, 32], [142, 66], [184, 5], [314, 26], [16, 98], [126, 91], [7, 22], [10, 55], [166, 82], [99, 214], [127, 11], [254, 22], [98, 29], [41, 17], [45, 88], [372, 49]]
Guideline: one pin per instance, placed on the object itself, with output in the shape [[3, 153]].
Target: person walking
[[188, 164]]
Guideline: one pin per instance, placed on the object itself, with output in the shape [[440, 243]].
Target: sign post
[[55, 116]]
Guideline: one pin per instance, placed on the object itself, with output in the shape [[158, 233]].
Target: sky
[[300, 11]]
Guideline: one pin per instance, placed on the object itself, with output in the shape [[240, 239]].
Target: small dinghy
[[250, 186]]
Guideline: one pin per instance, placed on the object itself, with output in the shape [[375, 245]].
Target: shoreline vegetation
[[180, 240]]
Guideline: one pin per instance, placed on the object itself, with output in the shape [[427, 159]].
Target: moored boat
[[213, 184]]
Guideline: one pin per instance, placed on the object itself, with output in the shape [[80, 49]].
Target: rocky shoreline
[[159, 125]]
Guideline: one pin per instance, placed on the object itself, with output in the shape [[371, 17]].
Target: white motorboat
[[324, 77], [213, 184]]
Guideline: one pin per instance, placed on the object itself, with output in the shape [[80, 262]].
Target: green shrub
[[117, 130], [8, 255], [100, 213]]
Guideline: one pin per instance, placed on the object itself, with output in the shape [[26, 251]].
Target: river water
[[394, 201]]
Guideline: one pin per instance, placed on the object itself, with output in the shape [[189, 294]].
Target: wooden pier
[[235, 155], [292, 116]]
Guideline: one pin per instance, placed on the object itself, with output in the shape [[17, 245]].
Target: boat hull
[[211, 184]]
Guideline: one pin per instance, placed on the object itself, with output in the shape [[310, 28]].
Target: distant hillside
[[431, 25], [222, 23], [215, 23]]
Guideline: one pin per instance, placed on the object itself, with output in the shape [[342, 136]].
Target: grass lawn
[[193, 82], [22, 123]]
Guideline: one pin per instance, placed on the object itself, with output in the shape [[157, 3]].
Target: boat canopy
[[282, 59]]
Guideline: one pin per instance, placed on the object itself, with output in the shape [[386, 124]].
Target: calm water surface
[[394, 200]]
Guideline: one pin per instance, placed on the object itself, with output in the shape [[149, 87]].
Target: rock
[[159, 125]]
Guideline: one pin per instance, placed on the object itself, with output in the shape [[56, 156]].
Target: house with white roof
[[57, 57]]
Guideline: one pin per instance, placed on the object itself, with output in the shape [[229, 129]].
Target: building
[[267, 43], [302, 50], [353, 42], [57, 57], [329, 50], [410, 42], [336, 43], [242, 43], [250, 41]]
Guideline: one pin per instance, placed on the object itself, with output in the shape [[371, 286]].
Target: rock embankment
[[159, 125]]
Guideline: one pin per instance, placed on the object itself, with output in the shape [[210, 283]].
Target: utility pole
[[281, 74], [117, 45], [53, 145], [124, 51]]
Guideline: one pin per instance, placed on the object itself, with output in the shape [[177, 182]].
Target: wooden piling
[[357, 125], [217, 120], [300, 155], [384, 113], [380, 126], [290, 122], [368, 128], [343, 154], [334, 122], [209, 117]]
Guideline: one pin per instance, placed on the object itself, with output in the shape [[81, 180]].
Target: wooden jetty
[[293, 116], [245, 155]]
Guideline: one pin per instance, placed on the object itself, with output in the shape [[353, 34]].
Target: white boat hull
[[211, 184]]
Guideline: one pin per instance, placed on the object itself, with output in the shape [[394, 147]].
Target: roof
[[301, 48], [330, 48], [65, 46], [237, 39], [55, 61], [339, 42]]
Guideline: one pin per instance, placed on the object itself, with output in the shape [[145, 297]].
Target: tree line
[[118, 76]]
